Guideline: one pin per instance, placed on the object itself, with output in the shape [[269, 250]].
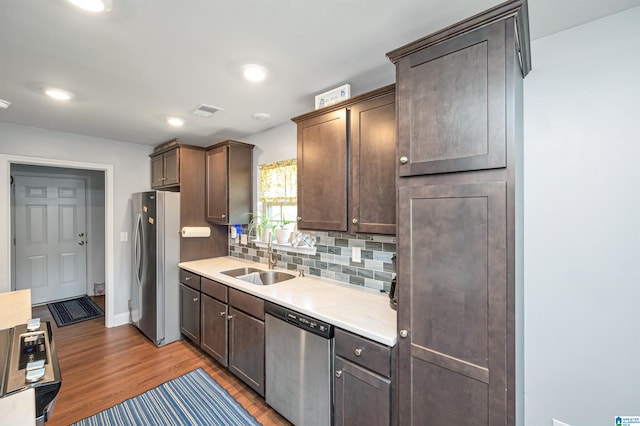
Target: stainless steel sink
[[272, 277], [241, 271], [258, 276]]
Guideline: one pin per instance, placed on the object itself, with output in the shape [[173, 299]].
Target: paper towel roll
[[195, 231]]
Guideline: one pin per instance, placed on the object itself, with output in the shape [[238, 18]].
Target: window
[[278, 191]]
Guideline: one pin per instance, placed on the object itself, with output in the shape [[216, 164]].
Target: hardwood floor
[[103, 366]]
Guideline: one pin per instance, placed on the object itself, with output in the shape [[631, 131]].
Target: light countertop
[[359, 310]]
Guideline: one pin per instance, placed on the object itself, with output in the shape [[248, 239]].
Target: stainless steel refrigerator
[[154, 304]]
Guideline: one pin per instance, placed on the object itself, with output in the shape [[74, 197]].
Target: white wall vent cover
[[206, 110]]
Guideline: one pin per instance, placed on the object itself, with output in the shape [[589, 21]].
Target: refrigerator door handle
[[138, 247]]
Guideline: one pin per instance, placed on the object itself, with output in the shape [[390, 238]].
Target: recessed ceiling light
[[4, 104], [58, 94], [175, 121], [254, 73], [260, 116], [96, 6]]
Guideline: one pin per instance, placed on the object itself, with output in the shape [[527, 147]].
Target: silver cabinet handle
[[223, 216], [81, 243], [229, 317], [338, 373], [404, 160], [81, 234], [223, 313], [299, 218], [195, 299], [187, 278], [358, 352], [404, 333], [354, 220]]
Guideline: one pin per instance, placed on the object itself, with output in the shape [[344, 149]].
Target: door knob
[[81, 234], [223, 313], [338, 373], [299, 218], [81, 243], [404, 160], [404, 333], [358, 352], [354, 220]]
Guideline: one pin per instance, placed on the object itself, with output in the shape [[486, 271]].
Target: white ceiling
[[149, 59]]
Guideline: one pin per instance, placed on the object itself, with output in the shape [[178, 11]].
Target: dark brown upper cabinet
[[346, 165], [372, 145], [165, 168], [452, 105], [322, 172], [229, 178]]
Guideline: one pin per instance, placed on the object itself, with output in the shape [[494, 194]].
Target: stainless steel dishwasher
[[298, 366]]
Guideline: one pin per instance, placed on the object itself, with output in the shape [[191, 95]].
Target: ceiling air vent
[[206, 110]]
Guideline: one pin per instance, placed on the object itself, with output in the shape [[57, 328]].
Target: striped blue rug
[[192, 399]]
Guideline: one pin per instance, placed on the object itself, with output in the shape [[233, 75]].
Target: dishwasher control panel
[[304, 322]]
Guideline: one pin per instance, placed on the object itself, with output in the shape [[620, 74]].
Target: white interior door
[[50, 237]]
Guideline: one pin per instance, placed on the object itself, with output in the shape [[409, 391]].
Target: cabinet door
[[452, 306], [217, 184], [361, 397], [322, 172], [157, 171], [373, 166], [246, 349], [190, 313], [214, 328], [452, 104], [171, 167]]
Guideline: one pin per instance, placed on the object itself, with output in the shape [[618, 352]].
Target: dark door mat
[[74, 310]]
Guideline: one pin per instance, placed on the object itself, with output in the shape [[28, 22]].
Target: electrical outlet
[[243, 239], [559, 423], [355, 254]]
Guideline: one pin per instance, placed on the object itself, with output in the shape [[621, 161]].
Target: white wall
[[130, 164], [582, 224]]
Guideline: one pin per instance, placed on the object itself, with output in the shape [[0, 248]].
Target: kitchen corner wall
[[582, 230], [333, 258]]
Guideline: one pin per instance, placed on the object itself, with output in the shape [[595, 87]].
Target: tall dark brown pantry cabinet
[[459, 97]]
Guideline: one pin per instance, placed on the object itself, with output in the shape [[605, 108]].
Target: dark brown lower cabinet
[[214, 328], [361, 396], [246, 349], [190, 313], [362, 382]]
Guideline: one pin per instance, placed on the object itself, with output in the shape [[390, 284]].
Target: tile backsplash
[[333, 258]]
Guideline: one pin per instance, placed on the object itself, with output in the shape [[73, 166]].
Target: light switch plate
[[355, 254], [124, 236], [243, 239]]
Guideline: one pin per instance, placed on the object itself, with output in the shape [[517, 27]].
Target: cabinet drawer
[[190, 279], [371, 355], [213, 289], [247, 303]]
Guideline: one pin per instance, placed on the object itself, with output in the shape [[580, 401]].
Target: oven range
[[28, 360]]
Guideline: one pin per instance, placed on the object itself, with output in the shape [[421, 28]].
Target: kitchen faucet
[[272, 258]]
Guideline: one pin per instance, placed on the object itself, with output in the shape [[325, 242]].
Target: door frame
[[5, 220]]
